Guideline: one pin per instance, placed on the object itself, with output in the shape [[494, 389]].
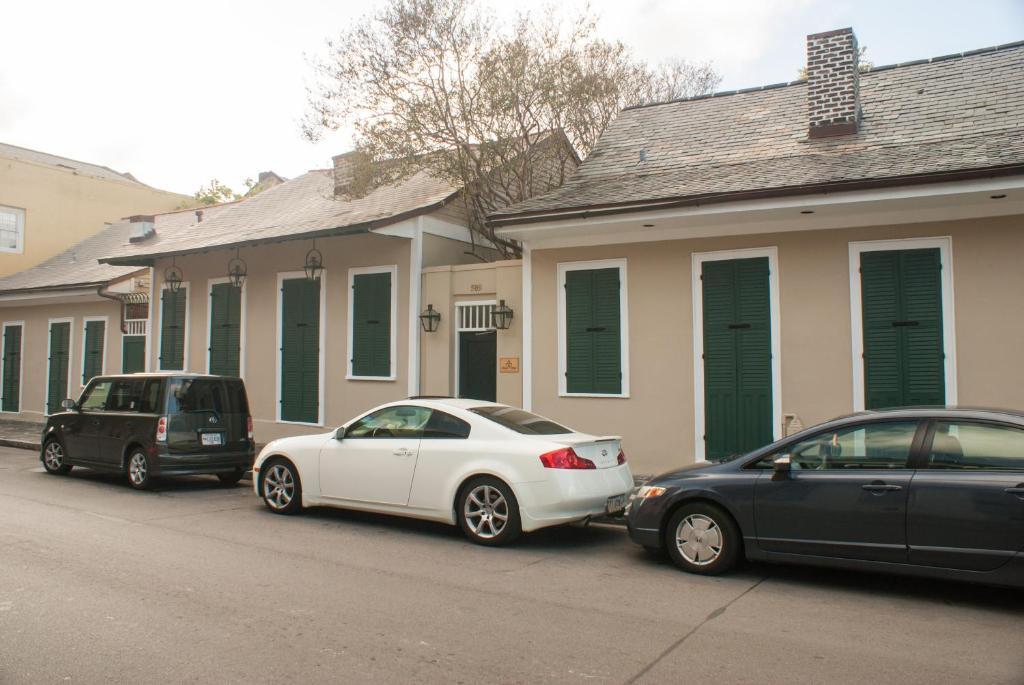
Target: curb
[[20, 444]]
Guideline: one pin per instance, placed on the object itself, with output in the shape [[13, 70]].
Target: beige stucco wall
[[35, 346], [444, 288], [657, 420], [63, 207]]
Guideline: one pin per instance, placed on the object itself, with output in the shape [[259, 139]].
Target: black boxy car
[[149, 425]]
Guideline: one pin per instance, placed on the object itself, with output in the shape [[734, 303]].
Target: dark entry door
[[60, 351], [225, 329], [478, 365], [300, 350], [737, 356], [11, 370], [133, 359]]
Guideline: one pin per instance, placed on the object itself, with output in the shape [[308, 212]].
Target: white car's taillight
[[622, 457], [161, 429], [248, 426], [565, 458]]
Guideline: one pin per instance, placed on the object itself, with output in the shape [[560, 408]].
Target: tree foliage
[[216, 192], [503, 112]]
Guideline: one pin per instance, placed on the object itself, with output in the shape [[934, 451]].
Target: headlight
[[649, 491]]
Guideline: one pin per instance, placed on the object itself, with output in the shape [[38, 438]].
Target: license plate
[[211, 439], [616, 504]]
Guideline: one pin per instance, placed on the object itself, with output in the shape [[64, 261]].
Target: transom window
[[12, 229]]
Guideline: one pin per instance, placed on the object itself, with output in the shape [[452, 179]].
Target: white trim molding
[[562, 269], [21, 363], [283, 276], [697, 290], [527, 324], [106, 338], [241, 323], [160, 327], [945, 247], [393, 342], [415, 285], [70, 320]]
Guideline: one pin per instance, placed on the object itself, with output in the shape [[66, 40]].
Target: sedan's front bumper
[[570, 495]]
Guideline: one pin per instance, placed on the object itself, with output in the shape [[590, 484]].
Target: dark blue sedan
[[929, 492]]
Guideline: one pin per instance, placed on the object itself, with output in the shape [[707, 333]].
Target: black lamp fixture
[[502, 316], [430, 319], [237, 270], [172, 277], [314, 265]]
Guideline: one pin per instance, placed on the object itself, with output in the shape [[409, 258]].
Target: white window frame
[[562, 269], [393, 362], [241, 323], [160, 326], [945, 246], [775, 317], [283, 276], [49, 353], [106, 338], [458, 329], [21, 363], [19, 221]]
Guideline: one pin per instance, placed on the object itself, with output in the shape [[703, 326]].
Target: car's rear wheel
[[230, 477], [280, 487], [702, 538], [488, 512], [53, 458], [140, 471]]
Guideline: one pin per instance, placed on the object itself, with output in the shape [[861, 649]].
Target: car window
[[883, 445], [192, 395], [124, 395], [965, 445], [521, 421], [442, 425], [95, 396], [150, 402], [391, 422]]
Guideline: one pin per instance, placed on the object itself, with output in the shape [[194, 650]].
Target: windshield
[[188, 395], [521, 421]]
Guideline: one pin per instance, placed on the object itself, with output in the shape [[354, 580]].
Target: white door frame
[[457, 351], [49, 353], [283, 276], [241, 323], [697, 289], [21, 362], [945, 247], [160, 326], [106, 337]]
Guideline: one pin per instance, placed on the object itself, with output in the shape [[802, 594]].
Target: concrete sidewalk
[[22, 434]]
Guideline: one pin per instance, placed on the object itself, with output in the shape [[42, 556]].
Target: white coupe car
[[492, 469]]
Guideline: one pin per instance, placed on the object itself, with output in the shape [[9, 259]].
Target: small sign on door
[[508, 364]]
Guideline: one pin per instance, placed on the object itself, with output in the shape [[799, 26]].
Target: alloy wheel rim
[[486, 511], [699, 539], [137, 469], [278, 487], [54, 456]]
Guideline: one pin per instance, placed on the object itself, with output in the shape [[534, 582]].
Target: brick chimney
[[833, 84], [142, 227], [344, 173]]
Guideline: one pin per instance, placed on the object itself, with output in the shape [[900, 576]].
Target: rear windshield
[[521, 421], [186, 395]]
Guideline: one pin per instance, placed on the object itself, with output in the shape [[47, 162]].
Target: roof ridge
[[884, 67], [122, 174]]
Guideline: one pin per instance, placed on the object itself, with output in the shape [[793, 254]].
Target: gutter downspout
[[102, 292]]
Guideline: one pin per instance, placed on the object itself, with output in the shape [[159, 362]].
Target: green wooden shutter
[[11, 369], [172, 329], [736, 308], [901, 299], [225, 329], [133, 353], [57, 381], [371, 324], [300, 350], [95, 334], [593, 345]]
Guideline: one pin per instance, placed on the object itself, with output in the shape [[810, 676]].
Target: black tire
[[53, 457], [280, 487], [713, 549], [230, 478], [139, 470], [479, 508]]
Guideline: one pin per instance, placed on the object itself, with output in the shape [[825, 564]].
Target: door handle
[[881, 487], [402, 452]]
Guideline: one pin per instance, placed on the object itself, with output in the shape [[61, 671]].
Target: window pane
[[124, 396], [521, 421], [443, 425], [977, 446], [151, 398], [391, 422], [195, 395], [868, 446], [95, 398]]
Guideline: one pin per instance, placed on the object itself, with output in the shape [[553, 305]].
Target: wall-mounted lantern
[[430, 319], [314, 265], [172, 277], [237, 270], [502, 316]]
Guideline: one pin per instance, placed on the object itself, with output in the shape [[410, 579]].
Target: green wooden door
[[94, 343], [737, 356], [300, 350], [225, 329], [11, 399], [371, 324], [901, 299], [133, 354], [172, 329], [60, 354], [478, 365], [593, 341]]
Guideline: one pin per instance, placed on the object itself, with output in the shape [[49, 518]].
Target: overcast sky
[[181, 92]]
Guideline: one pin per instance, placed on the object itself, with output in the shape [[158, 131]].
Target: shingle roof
[[302, 207], [945, 115], [95, 170]]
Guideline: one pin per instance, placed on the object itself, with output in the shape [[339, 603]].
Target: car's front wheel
[[140, 472], [53, 457], [280, 487], [488, 512], [702, 538]]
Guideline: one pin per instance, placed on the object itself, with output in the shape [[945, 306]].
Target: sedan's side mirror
[[340, 433], [69, 405], [783, 464]]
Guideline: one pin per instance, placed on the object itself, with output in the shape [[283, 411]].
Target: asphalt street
[[199, 583]]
